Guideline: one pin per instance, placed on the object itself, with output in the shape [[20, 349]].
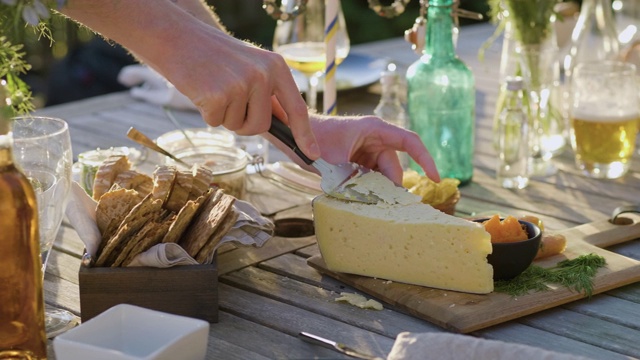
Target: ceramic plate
[[355, 71]]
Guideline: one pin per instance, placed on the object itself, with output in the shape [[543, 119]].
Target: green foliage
[[576, 274], [12, 65], [17, 17]]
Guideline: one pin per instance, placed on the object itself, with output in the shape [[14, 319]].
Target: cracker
[[180, 191], [107, 172], [131, 179], [202, 179], [207, 250], [112, 208], [149, 239], [207, 222], [135, 219], [163, 177], [184, 217], [148, 230]]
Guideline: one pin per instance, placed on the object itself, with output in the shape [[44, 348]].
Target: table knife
[[339, 347], [333, 177]]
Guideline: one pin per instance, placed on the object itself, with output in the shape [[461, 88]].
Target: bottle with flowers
[[531, 51]]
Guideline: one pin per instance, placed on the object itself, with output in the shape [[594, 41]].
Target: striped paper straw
[[330, 29]]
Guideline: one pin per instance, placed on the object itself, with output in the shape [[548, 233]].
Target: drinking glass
[[42, 149], [300, 41], [604, 117]]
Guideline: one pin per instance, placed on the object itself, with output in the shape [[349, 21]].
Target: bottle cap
[[514, 83], [390, 75]]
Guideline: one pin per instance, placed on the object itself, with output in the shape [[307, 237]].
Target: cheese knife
[[333, 177], [339, 347]]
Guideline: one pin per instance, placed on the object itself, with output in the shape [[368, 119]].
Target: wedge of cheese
[[407, 242]]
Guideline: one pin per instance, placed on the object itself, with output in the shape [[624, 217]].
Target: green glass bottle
[[441, 98]]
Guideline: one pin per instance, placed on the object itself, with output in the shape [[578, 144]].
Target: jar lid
[[218, 159], [175, 140]]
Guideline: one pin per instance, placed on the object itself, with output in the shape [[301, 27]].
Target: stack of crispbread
[[136, 211]]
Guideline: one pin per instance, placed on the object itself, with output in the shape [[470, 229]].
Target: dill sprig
[[576, 274]]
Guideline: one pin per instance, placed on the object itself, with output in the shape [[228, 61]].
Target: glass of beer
[[604, 117]]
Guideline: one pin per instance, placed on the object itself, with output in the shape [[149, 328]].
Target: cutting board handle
[[605, 233]]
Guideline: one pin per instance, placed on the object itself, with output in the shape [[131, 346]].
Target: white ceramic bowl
[[127, 332]]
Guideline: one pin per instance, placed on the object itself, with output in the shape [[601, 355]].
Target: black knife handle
[[283, 133]]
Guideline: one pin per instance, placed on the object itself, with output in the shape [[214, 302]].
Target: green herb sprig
[[576, 274], [16, 18], [12, 65]]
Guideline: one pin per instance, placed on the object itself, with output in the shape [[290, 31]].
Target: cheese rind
[[409, 243]]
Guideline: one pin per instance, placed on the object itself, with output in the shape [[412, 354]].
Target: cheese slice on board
[[411, 243]]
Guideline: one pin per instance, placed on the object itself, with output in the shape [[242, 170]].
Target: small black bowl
[[511, 259]]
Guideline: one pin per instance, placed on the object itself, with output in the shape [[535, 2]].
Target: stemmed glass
[[300, 41], [42, 149]]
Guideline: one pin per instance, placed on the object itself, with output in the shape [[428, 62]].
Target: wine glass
[[42, 149], [300, 41]]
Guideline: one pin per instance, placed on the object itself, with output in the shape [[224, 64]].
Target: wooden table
[[268, 295]]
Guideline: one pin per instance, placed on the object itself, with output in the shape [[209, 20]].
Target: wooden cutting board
[[464, 313]]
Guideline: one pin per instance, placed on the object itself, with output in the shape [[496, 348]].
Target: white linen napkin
[[251, 228], [445, 346], [148, 85]]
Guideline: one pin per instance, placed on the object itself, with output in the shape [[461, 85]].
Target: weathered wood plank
[[608, 308], [587, 329], [246, 256], [255, 341], [514, 332], [291, 320], [321, 300]]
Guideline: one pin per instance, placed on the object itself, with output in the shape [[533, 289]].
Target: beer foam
[[603, 115]]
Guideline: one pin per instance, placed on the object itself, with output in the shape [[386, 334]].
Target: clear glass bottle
[[390, 108], [513, 138], [441, 98], [508, 67], [594, 37], [22, 330]]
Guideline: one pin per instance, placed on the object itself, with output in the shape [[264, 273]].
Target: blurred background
[[79, 64]]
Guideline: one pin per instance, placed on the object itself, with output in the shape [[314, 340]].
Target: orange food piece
[[551, 245], [507, 230], [533, 219]]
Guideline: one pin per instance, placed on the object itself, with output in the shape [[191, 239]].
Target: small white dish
[[127, 332]]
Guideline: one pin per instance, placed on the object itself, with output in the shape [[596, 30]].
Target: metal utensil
[[145, 141], [339, 347], [175, 122], [333, 177]]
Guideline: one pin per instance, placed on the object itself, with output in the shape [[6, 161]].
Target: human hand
[[372, 142], [238, 85]]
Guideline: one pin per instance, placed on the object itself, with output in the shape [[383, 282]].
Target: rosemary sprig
[[12, 65], [576, 274]]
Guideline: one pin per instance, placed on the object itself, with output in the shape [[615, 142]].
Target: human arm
[[369, 141], [231, 82]]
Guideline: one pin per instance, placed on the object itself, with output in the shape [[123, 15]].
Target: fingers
[[296, 114], [408, 141], [258, 113], [389, 165], [414, 146]]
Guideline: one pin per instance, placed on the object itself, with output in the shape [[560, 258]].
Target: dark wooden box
[[182, 290]]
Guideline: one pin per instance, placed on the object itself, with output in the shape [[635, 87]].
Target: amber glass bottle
[[22, 331]]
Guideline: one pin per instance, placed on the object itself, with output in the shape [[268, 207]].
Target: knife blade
[[333, 345], [333, 177]]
